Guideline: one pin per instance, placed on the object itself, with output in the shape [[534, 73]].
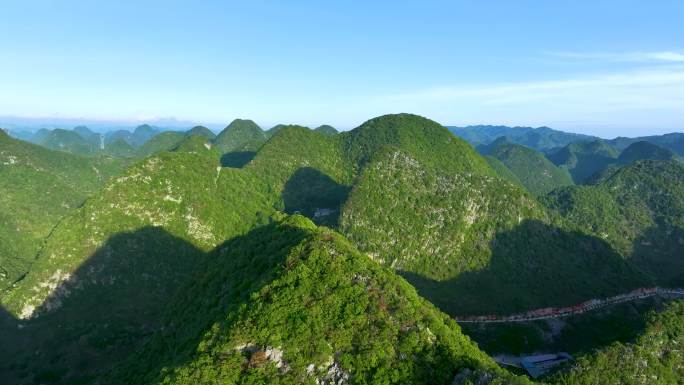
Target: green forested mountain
[[93, 251], [673, 141], [655, 358], [124, 135], [87, 134], [463, 236], [644, 150], [22, 134], [584, 159], [142, 134], [70, 141], [273, 130], [38, 187], [541, 138], [120, 148], [546, 139], [192, 266], [83, 141], [201, 130], [503, 171], [240, 135], [420, 212], [40, 135], [161, 142], [533, 169], [638, 210], [137, 138], [589, 162], [312, 309], [326, 129], [169, 140], [119, 258], [194, 143]]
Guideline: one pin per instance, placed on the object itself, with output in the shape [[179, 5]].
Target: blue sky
[[603, 67]]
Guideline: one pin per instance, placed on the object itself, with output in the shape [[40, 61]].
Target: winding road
[[592, 304]]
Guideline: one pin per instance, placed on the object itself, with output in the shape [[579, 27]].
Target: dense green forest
[[532, 168], [584, 159], [310, 256], [37, 188], [654, 358], [298, 304]]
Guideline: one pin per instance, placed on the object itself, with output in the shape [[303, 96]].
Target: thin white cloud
[[641, 57], [652, 97], [662, 83]]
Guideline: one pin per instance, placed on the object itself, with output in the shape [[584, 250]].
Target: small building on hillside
[[322, 212], [541, 364]]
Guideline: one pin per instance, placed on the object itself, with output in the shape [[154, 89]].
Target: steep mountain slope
[[86, 133], [120, 257], [188, 261], [40, 135], [655, 358], [106, 260], [584, 159], [274, 130], [174, 190], [405, 226], [195, 143], [21, 134], [416, 198], [503, 171], [673, 141], [160, 142], [170, 140], [474, 244], [240, 135], [639, 210], [541, 138], [644, 150], [292, 303], [142, 134], [326, 129], [531, 167], [38, 187], [137, 138], [202, 131], [424, 139], [124, 135], [83, 141], [119, 147], [69, 141]]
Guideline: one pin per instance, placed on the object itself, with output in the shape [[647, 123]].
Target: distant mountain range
[[541, 138], [144, 140], [583, 156], [546, 139]]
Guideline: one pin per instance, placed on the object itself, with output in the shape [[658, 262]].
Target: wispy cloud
[[649, 97], [662, 84], [640, 57]]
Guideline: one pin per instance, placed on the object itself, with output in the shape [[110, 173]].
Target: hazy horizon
[[33, 124]]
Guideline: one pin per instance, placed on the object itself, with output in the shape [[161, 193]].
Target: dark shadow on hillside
[[589, 165], [532, 266], [111, 304], [578, 334], [143, 288], [237, 159], [235, 271], [659, 251], [315, 195]]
